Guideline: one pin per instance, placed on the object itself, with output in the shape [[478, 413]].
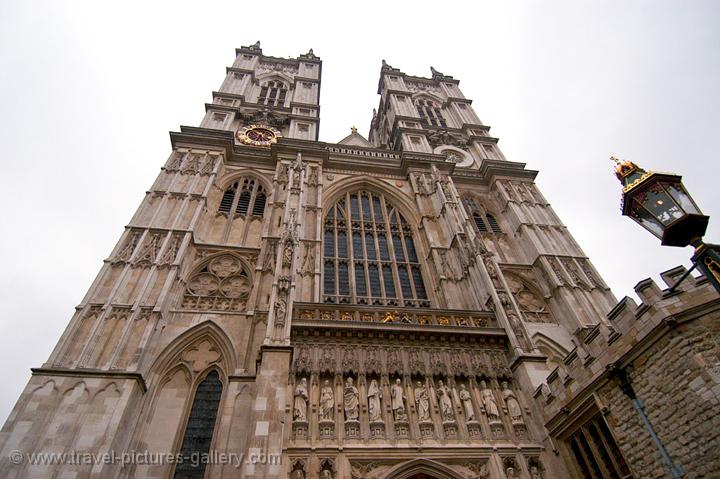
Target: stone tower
[[373, 308]]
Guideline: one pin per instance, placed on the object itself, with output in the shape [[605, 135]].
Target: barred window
[[242, 197], [273, 93], [596, 453], [369, 254], [430, 113]]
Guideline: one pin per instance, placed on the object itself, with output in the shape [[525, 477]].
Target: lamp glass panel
[[682, 198], [661, 205], [646, 220]]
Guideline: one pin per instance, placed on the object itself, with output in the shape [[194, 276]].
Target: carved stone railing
[[384, 314]]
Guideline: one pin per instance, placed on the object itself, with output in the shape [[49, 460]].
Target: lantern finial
[[623, 168]]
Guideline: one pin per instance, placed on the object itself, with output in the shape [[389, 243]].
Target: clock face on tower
[[258, 135]]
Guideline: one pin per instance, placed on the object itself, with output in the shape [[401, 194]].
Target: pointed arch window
[[245, 196], [200, 427], [430, 113], [369, 255], [273, 93]]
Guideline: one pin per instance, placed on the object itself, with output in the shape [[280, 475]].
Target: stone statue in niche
[[287, 253], [327, 401], [467, 403], [325, 474], [398, 401], [351, 401], [511, 402], [280, 310], [422, 402], [300, 403], [488, 399], [535, 473], [374, 396], [444, 265], [422, 189], [510, 473], [446, 407]]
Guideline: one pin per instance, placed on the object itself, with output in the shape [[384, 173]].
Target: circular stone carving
[[204, 284], [224, 266], [235, 287], [454, 155]]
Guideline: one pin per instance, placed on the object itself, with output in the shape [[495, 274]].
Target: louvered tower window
[[242, 197], [430, 113], [200, 427], [481, 226], [273, 93], [369, 255], [494, 226], [484, 222]]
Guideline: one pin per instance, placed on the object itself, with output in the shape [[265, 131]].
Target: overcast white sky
[[89, 91]]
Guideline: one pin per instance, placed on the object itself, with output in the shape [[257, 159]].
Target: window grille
[[596, 453], [369, 254], [273, 93], [242, 197], [430, 113]]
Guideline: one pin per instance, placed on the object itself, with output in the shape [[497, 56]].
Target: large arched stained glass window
[[369, 256]]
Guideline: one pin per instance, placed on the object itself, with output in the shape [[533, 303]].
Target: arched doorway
[[421, 469]]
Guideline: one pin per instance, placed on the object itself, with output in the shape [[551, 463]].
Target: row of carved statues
[[447, 398]]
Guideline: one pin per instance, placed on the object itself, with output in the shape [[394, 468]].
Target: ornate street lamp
[[660, 203]]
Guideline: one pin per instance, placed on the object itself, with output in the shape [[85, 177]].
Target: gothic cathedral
[[384, 307]]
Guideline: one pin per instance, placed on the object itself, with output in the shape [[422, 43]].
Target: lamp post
[[660, 203]]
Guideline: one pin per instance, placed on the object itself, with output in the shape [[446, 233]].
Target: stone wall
[[680, 392], [669, 347]]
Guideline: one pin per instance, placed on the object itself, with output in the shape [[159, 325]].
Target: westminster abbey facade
[[398, 306]]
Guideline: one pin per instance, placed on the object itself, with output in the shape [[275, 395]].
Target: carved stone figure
[[510, 473], [280, 310], [467, 403], [481, 471], [446, 407], [535, 473], [488, 399], [300, 403], [287, 253], [351, 401], [374, 396], [422, 402], [511, 402], [327, 401], [398, 401], [325, 474]]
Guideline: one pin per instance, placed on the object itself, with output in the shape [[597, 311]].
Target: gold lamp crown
[[623, 167]]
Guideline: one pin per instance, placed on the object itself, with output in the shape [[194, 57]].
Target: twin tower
[[381, 307]]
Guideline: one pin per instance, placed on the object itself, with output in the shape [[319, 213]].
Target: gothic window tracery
[[430, 113], [273, 93], [369, 255], [222, 284], [245, 197]]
